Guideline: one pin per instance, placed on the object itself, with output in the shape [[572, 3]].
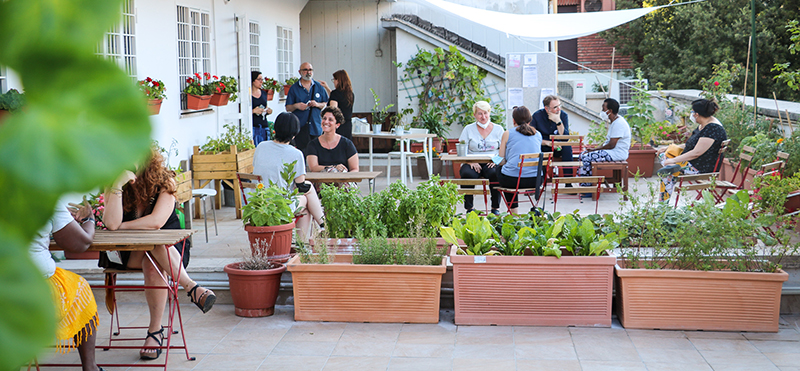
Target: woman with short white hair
[[482, 138]]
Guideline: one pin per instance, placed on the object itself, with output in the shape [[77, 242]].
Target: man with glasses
[[551, 120], [306, 99]]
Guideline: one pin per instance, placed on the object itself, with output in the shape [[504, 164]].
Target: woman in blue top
[[524, 140]]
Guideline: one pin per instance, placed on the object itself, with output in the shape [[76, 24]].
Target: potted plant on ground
[[268, 216], [548, 270], [270, 86], [155, 91], [223, 89], [288, 84], [382, 281], [710, 268], [254, 283], [11, 101], [198, 94]]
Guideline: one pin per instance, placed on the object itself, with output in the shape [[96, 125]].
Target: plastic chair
[[409, 155], [596, 181], [541, 181], [203, 194]]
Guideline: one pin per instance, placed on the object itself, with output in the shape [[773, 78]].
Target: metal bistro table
[[465, 159], [405, 147], [138, 240], [357, 176]]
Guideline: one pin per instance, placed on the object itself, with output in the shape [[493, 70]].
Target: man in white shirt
[[617, 144]]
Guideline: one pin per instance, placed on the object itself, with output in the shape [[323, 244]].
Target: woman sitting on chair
[[146, 200], [268, 162], [332, 152], [482, 138], [525, 139], [702, 149]]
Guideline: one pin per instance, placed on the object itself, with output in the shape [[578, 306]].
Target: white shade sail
[[545, 27]]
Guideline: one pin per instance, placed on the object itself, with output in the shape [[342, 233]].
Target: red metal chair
[[247, 180], [526, 160]]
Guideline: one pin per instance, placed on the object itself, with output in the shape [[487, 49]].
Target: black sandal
[[205, 301], [143, 354]]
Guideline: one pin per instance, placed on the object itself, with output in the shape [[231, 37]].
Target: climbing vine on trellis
[[448, 84]]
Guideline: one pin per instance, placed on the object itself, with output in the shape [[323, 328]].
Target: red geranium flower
[[148, 79], [215, 77], [197, 75], [219, 90], [207, 75], [190, 80], [155, 84], [716, 83]]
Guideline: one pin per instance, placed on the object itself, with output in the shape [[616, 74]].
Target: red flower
[[141, 82], [222, 85], [219, 90], [716, 83], [207, 75], [215, 77], [190, 80], [147, 91], [197, 75], [148, 79], [155, 84]]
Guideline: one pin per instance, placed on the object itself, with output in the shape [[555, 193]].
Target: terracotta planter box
[[219, 99], [641, 159], [221, 167], [184, 186], [197, 102], [154, 105], [254, 292], [697, 300], [270, 93], [533, 290], [286, 89], [346, 292]]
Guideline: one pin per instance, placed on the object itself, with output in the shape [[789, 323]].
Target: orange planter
[[346, 292], [270, 94], [278, 238], [286, 89], [254, 292], [197, 102], [154, 105], [219, 99], [533, 290], [697, 300]]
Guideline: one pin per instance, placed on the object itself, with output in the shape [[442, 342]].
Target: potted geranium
[[288, 84], [268, 216], [270, 86], [223, 90], [155, 91], [198, 93], [11, 101], [254, 283]]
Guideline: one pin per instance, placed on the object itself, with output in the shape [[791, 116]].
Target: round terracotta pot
[[254, 291], [278, 238], [154, 105], [270, 94], [286, 89]]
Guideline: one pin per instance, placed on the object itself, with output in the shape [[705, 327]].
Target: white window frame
[[119, 43], [3, 80], [255, 45], [285, 53], [194, 45]]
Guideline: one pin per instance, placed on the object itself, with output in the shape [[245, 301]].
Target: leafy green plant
[[599, 88], [769, 192], [432, 120], [153, 89], [232, 136], [11, 100], [379, 115], [641, 117], [597, 133], [198, 85], [271, 206], [766, 149], [271, 84], [224, 85], [790, 78], [720, 83], [381, 251], [291, 81], [476, 232]]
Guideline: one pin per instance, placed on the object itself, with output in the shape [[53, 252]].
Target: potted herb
[[254, 283], [223, 89], [198, 93], [382, 281], [219, 159], [155, 91], [708, 271], [379, 115], [288, 84], [548, 270], [268, 216], [270, 86], [11, 101]]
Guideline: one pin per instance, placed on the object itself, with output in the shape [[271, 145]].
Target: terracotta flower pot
[[254, 292], [154, 105], [696, 300], [270, 94], [197, 102], [533, 290], [219, 99], [278, 238], [641, 158], [286, 89], [346, 292]]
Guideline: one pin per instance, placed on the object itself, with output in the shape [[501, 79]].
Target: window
[[255, 59], [3, 83], [194, 45], [285, 53], [119, 43]]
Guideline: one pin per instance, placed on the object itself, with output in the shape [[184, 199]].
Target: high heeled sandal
[[145, 353], [205, 301]]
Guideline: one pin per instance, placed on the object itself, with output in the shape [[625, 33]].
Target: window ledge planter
[[533, 290], [346, 292], [154, 105], [698, 300], [197, 102], [219, 99]]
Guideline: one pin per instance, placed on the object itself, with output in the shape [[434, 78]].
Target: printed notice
[[545, 92], [530, 77], [515, 97], [530, 59], [514, 60]]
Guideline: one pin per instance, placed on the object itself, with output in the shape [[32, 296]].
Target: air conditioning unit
[[622, 90], [573, 90], [597, 5]]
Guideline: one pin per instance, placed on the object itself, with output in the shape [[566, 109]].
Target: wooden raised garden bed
[[221, 167]]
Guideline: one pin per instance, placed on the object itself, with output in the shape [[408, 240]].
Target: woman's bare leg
[[314, 205], [304, 222], [86, 350]]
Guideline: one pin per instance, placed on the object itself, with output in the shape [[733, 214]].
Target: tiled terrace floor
[[222, 341]]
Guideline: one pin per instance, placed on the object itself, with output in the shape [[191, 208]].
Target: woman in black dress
[[343, 98], [260, 109], [331, 152]]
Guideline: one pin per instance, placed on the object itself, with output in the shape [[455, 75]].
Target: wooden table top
[[134, 240], [342, 177], [469, 158], [392, 135]]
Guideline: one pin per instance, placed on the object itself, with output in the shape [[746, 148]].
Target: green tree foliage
[[84, 121], [678, 46]]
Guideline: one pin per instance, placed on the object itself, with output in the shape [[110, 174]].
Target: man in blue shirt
[[551, 120], [306, 100]]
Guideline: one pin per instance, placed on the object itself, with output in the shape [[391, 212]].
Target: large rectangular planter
[[697, 300], [221, 167], [533, 290], [346, 292]]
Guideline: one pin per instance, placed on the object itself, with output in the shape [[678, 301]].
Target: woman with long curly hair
[[146, 200]]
